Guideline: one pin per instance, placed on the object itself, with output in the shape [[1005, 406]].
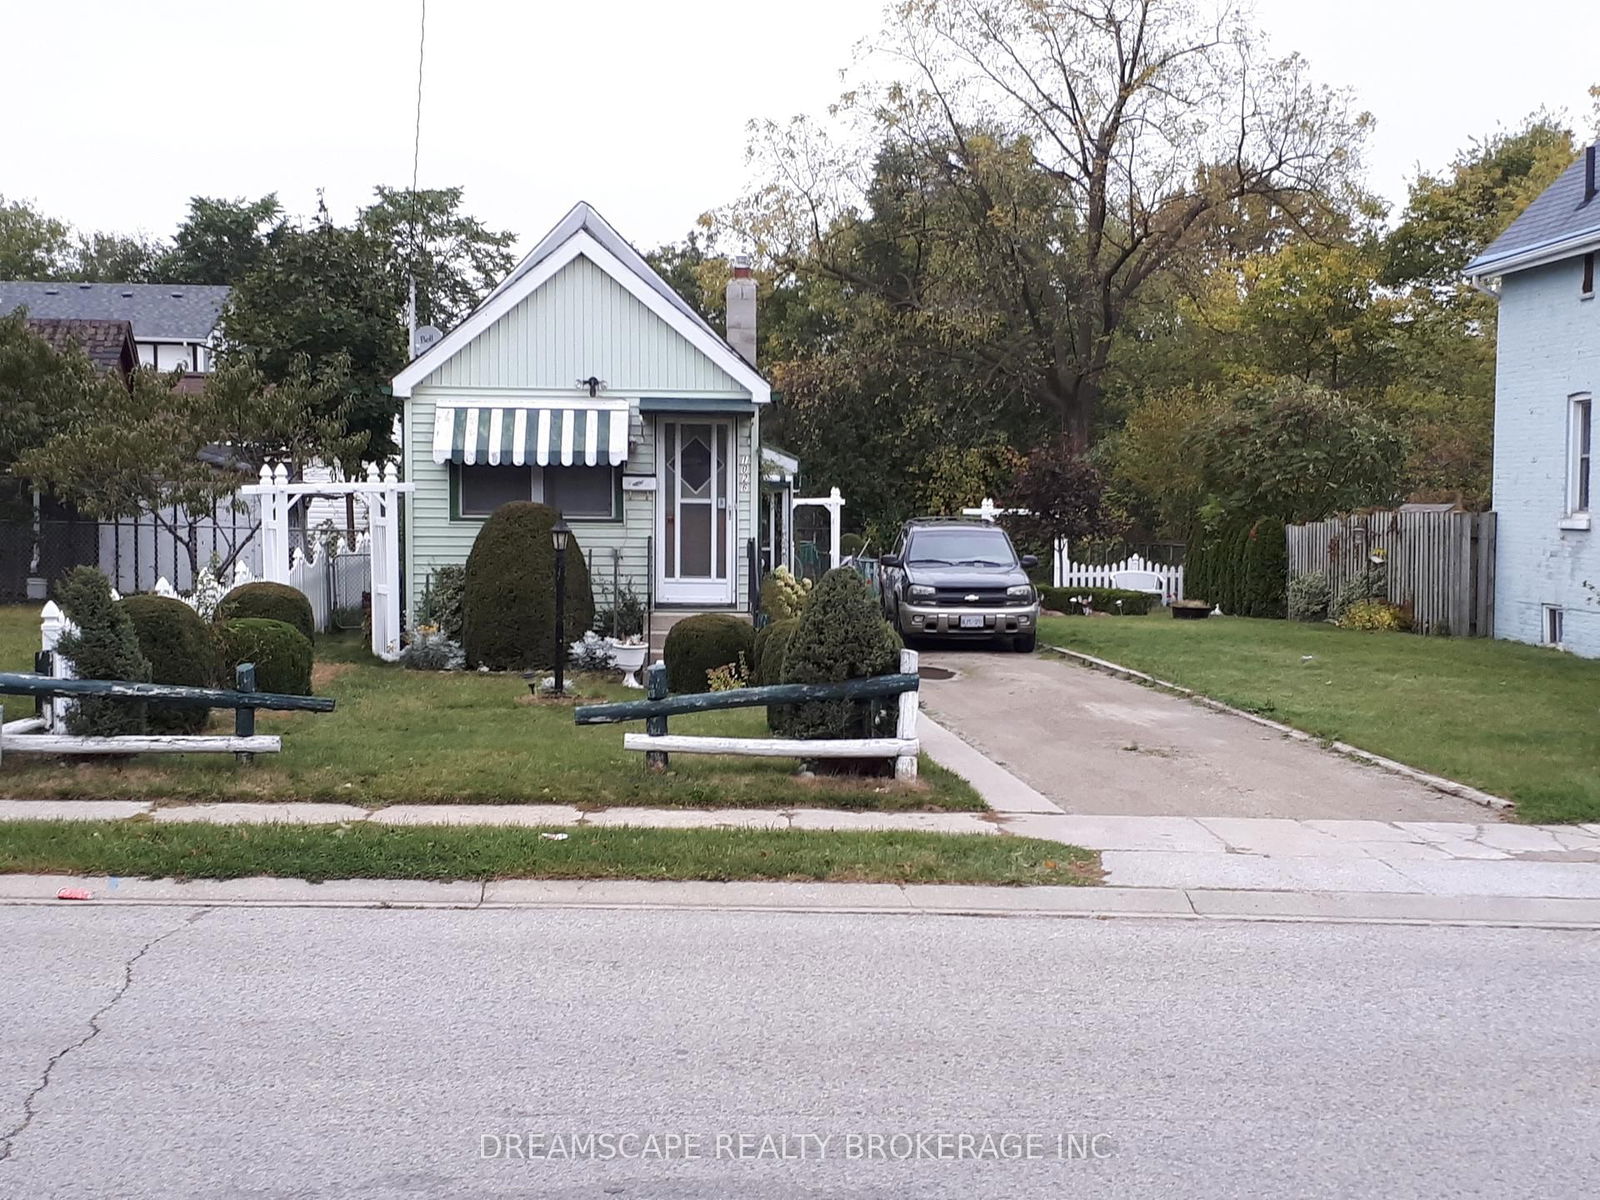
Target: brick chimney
[[742, 309]]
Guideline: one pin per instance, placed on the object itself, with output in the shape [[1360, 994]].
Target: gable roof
[[109, 344], [178, 312], [583, 231], [1558, 224]]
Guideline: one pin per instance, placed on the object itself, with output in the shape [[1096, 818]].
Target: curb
[[1437, 782], [912, 900]]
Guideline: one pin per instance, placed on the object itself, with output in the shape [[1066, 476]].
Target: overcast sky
[[122, 109]]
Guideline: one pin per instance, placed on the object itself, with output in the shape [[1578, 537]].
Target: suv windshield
[[959, 546]]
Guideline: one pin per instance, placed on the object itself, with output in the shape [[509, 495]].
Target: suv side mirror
[[1030, 561], [890, 560]]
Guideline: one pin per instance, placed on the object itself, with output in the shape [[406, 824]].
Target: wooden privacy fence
[[1440, 563], [37, 735], [656, 742]]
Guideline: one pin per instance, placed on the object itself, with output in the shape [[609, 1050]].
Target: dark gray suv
[[959, 579]]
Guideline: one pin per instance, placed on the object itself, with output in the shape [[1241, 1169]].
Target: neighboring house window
[[1580, 437], [582, 491], [483, 488], [1553, 631], [1588, 275]]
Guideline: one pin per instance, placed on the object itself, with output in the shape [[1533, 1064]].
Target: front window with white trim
[[580, 492], [1554, 631], [1580, 439]]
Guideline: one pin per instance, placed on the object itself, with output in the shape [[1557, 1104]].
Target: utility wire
[[416, 160]]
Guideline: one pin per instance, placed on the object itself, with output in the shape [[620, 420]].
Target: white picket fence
[[312, 574], [1069, 574], [1099, 575]]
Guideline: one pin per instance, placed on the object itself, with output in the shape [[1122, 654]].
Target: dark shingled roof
[[179, 312], [1558, 218], [109, 344]]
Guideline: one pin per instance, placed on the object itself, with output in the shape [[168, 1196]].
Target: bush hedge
[[271, 602], [182, 649], [841, 636], [1242, 567], [281, 653], [105, 646], [701, 643], [771, 649], [509, 600], [442, 601], [1133, 604], [1308, 596]]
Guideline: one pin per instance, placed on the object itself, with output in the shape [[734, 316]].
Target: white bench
[[1140, 581]]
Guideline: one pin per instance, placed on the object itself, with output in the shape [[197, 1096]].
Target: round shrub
[[271, 602], [281, 653], [702, 643], [510, 595], [105, 646], [1375, 616], [851, 544], [841, 636], [182, 650]]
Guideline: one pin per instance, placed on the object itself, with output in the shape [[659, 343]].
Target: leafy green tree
[[32, 245], [221, 240], [455, 257], [1297, 453], [151, 450], [112, 258]]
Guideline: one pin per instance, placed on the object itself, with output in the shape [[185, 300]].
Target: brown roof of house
[[109, 344]]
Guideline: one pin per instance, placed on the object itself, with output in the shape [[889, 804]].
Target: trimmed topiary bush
[[104, 646], [1102, 600], [850, 544], [281, 653], [766, 666], [702, 643], [271, 602], [841, 636], [510, 595], [182, 650]]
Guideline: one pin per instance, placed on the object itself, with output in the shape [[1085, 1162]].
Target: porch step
[[663, 619]]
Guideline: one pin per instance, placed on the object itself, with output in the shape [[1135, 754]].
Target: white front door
[[695, 516]]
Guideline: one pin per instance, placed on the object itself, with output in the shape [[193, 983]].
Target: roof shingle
[[1557, 216], [157, 311]]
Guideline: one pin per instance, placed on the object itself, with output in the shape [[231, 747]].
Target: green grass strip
[[152, 850]]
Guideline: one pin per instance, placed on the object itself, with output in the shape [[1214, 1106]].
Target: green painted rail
[[45, 686], [780, 693]]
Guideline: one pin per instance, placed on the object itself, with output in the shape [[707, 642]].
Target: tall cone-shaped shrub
[[105, 646], [510, 594], [842, 635]]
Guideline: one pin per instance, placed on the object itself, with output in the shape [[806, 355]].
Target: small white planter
[[628, 659]]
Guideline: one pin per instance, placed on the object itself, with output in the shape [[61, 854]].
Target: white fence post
[[1069, 574], [53, 626], [383, 527], [905, 766]]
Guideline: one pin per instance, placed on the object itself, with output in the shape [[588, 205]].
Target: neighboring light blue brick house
[[1546, 491]]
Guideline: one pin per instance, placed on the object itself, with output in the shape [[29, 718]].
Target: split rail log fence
[[657, 743], [32, 736]]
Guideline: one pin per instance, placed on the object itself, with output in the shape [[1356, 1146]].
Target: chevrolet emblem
[[972, 597]]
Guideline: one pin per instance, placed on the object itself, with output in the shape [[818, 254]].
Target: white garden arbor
[[380, 492]]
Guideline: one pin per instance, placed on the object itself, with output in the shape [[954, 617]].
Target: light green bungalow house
[[585, 382]]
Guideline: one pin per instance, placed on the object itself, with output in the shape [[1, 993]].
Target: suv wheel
[[1024, 643]]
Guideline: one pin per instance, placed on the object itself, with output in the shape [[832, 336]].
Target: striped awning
[[566, 435]]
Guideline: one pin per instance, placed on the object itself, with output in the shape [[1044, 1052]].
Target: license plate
[[973, 621]]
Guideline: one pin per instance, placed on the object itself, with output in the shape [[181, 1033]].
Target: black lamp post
[[559, 535]]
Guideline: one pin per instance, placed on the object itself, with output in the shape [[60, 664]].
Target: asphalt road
[[1096, 744], [269, 1053]]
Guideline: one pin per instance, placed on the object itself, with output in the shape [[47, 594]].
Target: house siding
[[583, 323], [580, 323], [1549, 350]]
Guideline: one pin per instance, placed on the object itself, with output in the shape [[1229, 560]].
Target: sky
[[129, 107]]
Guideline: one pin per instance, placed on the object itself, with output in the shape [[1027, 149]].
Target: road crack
[[30, 1102]]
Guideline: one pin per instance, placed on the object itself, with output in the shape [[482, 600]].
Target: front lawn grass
[[401, 736], [1519, 721], [193, 851]]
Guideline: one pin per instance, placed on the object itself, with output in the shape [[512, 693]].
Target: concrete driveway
[[1096, 744]]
